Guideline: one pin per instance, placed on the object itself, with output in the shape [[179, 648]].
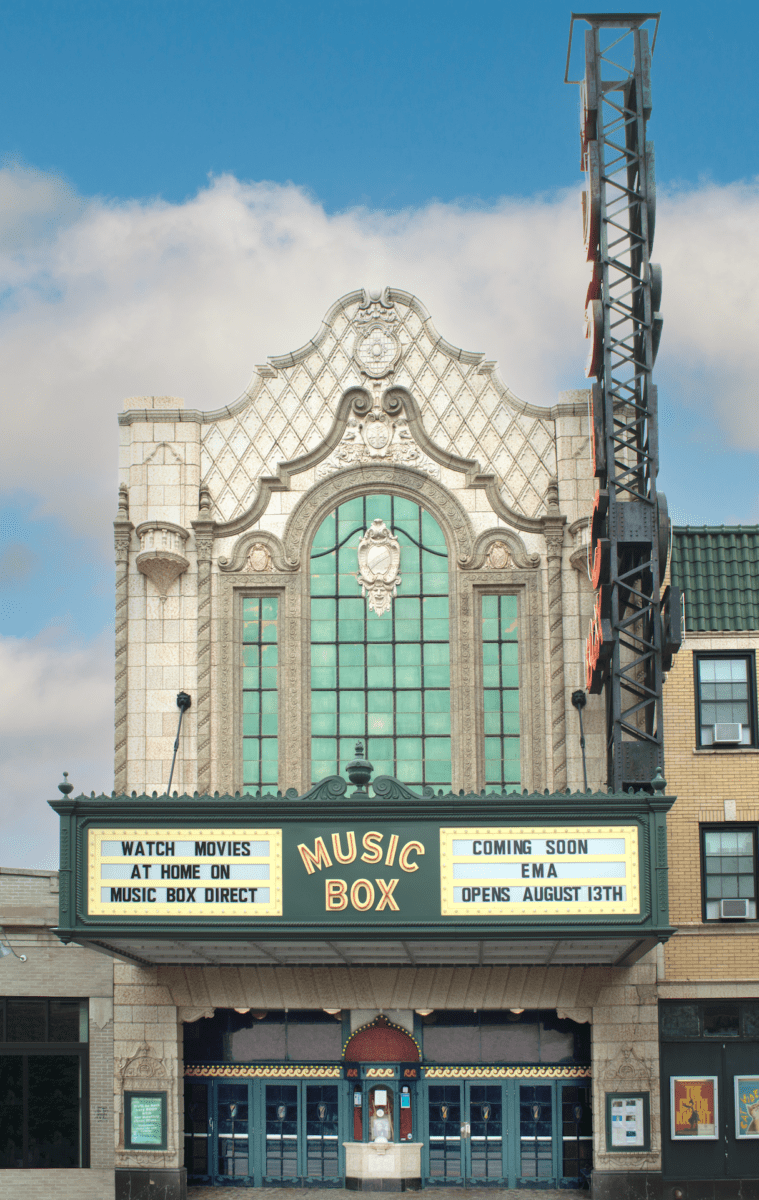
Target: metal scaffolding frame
[[631, 639]]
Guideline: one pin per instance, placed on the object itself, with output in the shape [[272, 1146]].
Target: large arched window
[[381, 678]]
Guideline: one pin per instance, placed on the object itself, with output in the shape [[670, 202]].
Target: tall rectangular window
[[43, 1083], [382, 677], [500, 678], [260, 740], [725, 699], [729, 869]]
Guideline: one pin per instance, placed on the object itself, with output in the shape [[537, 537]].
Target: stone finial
[[205, 504], [161, 556], [123, 513], [552, 495]]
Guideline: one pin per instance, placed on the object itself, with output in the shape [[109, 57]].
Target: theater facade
[[378, 933]]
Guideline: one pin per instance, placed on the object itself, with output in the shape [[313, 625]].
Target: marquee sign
[[394, 866]]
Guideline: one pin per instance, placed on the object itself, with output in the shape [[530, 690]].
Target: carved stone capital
[[122, 538]]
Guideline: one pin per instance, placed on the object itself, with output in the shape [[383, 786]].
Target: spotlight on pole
[[579, 700]]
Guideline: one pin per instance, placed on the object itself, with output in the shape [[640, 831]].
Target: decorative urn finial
[[66, 787], [359, 770]]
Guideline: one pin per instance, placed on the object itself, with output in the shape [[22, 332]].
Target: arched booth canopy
[[381, 1041]]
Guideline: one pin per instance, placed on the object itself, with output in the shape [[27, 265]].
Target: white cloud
[[120, 299], [56, 714]]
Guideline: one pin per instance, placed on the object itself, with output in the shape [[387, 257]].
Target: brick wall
[[711, 786]]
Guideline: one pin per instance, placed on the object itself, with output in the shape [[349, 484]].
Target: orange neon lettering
[[366, 886], [320, 858], [386, 900], [371, 842], [336, 891], [337, 851], [403, 861]]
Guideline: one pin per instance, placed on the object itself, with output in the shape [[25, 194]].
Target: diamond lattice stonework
[[465, 409]]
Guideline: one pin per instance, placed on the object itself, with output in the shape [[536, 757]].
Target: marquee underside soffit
[[565, 952]]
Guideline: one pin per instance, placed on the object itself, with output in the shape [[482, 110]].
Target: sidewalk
[[212, 1193]]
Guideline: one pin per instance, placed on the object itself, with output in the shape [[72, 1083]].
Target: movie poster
[[746, 1106], [693, 1100]]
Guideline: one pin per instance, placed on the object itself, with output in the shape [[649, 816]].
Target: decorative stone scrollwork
[[143, 1065], [372, 435], [379, 560], [161, 555]]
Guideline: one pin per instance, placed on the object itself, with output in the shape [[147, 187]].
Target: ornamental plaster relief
[[291, 407]]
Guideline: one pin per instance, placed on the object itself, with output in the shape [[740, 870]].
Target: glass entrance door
[[506, 1134], [302, 1133], [231, 1144]]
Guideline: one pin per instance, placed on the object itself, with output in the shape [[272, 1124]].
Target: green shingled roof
[[717, 567]]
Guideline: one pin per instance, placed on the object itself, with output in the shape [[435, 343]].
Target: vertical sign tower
[[631, 638]]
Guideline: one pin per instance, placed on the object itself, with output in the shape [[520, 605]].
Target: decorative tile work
[[459, 1072], [465, 409], [264, 1071]]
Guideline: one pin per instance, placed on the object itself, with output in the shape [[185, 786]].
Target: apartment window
[[43, 1083], [729, 871], [725, 691]]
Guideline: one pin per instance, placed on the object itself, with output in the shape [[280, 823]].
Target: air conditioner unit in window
[[736, 910], [728, 731]]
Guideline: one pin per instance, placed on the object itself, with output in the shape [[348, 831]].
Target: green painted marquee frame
[[326, 808]]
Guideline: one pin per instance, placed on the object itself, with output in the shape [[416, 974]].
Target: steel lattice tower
[[635, 630]]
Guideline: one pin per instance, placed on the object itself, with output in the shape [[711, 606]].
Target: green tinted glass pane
[[381, 724], [491, 653], [324, 702], [250, 608], [324, 724], [437, 747], [380, 748], [269, 656], [435, 654], [379, 655], [490, 607], [378, 629], [323, 610], [409, 747], [351, 655], [351, 609], [322, 768], [269, 724], [352, 724], [438, 701], [490, 628], [409, 771], [509, 652], [379, 506], [251, 772], [492, 722], [411, 582], [251, 656], [434, 606], [323, 631], [432, 534], [437, 723], [436, 630], [323, 656], [411, 723], [408, 631], [325, 534], [437, 676], [407, 702], [380, 702], [379, 677], [351, 631], [251, 702], [511, 722], [436, 583], [251, 677], [510, 676], [269, 748], [251, 724], [491, 676], [510, 701], [382, 766], [408, 656], [352, 677], [408, 677], [410, 556], [492, 701], [322, 585], [407, 609], [269, 702], [438, 771], [323, 677], [352, 701], [250, 748], [323, 748], [492, 747], [346, 583]]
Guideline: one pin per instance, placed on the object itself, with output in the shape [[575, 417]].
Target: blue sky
[[187, 187]]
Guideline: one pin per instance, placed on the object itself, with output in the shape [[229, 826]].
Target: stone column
[[122, 527], [553, 529], [203, 528]]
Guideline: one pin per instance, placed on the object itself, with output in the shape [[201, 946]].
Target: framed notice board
[[628, 1121], [145, 1124]]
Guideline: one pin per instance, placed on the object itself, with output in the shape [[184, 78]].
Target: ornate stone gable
[[375, 341]]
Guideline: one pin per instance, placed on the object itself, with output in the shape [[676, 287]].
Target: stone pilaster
[[553, 529], [122, 537]]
